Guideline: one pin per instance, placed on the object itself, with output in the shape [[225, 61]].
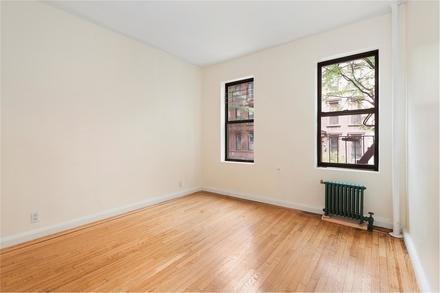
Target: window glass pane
[[348, 85], [240, 141], [348, 143], [241, 101]]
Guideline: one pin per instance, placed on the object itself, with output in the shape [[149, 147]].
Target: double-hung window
[[239, 121], [347, 133]]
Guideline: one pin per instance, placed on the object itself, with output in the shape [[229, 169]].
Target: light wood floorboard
[[208, 242]]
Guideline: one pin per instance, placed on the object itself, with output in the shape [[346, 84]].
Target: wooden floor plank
[[208, 242]]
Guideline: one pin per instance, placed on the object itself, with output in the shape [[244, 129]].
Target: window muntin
[[239, 121], [348, 112]]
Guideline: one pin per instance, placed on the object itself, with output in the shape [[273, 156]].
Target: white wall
[[91, 120], [285, 121], [423, 140]]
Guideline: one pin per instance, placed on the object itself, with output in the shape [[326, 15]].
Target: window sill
[[237, 162], [348, 169]]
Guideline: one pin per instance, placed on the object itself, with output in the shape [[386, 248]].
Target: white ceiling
[[209, 32]]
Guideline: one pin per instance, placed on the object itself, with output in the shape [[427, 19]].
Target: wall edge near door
[[74, 223], [378, 221], [422, 280]]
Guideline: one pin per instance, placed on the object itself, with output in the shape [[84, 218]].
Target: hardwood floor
[[207, 242]]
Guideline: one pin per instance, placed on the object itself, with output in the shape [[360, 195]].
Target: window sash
[[374, 111]]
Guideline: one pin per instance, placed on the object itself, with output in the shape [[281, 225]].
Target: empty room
[[219, 146]]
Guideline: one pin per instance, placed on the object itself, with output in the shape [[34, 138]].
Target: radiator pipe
[[398, 101]]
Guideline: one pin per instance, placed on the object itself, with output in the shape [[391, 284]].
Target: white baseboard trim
[[264, 199], [422, 281], [52, 229], [378, 221]]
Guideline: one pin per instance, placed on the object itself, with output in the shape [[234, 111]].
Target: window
[[334, 148], [334, 120], [356, 147], [348, 101], [356, 120], [251, 141], [238, 141], [239, 121], [237, 113], [334, 106]]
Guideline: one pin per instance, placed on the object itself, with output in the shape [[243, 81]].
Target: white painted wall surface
[[423, 140], [285, 121], [91, 130], [91, 119]]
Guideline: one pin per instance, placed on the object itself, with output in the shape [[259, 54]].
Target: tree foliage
[[352, 82]]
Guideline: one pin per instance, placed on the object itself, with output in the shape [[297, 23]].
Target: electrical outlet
[[180, 184], [35, 217]]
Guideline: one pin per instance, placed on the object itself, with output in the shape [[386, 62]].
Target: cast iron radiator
[[346, 200]]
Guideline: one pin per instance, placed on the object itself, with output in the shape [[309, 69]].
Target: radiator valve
[[370, 221]]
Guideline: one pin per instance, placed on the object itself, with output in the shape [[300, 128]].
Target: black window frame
[[375, 111], [227, 122]]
